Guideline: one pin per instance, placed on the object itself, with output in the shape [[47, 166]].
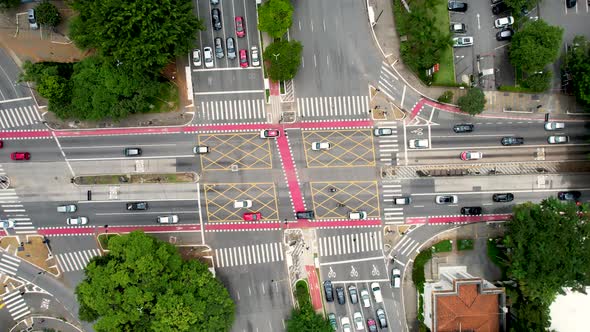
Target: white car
[[77, 221], [418, 143], [396, 278], [241, 204], [365, 298], [377, 292], [201, 149], [67, 208], [197, 58], [554, 126], [447, 199], [462, 41], [471, 155], [357, 215], [208, 55], [358, 321], [504, 22], [172, 219], [254, 57], [383, 132], [317, 146], [6, 224], [561, 139], [345, 322]]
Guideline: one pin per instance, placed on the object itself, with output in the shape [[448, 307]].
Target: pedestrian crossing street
[[338, 106], [388, 145], [15, 303], [9, 264], [241, 109], [386, 77], [19, 117], [392, 214], [75, 261], [350, 243], [12, 209], [248, 255]]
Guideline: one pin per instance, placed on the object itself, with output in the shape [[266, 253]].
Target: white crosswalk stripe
[[15, 211], [9, 264], [386, 81], [388, 145], [338, 106], [350, 243], [406, 246], [233, 109], [19, 117], [247, 255], [392, 214], [75, 261], [15, 303]]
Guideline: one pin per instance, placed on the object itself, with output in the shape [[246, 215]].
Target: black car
[[137, 206], [471, 211], [512, 140], [216, 18], [329, 291], [381, 318], [305, 214], [500, 8], [340, 295], [569, 195], [508, 197], [570, 3], [505, 34], [463, 128], [456, 6]]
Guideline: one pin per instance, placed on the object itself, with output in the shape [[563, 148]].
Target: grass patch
[[418, 276], [302, 293], [446, 74], [443, 246], [168, 100], [465, 244], [136, 178], [267, 93], [104, 240], [510, 88]]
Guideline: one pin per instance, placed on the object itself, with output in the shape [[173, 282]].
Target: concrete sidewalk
[[499, 104]]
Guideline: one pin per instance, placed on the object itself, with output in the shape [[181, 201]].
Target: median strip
[[187, 177]]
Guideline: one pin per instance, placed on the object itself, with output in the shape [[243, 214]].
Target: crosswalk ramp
[[392, 214], [19, 117], [338, 106], [77, 260], [350, 243], [388, 81], [388, 145], [248, 255], [15, 303], [9, 264], [240, 109]]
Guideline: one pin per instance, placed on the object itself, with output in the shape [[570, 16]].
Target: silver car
[[231, 48], [208, 57], [550, 126], [77, 221], [447, 199], [219, 53], [255, 56], [561, 139]]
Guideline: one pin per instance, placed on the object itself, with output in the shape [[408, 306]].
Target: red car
[[269, 133], [20, 156], [1, 144], [252, 216], [240, 31], [244, 58]]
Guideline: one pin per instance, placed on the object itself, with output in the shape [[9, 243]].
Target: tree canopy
[[6, 4], [538, 82], [138, 34], [578, 65], [473, 102], [275, 17], [305, 319], [282, 59], [143, 284], [535, 45], [47, 14], [547, 246]]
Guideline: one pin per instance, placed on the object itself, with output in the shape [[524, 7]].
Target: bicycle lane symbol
[[417, 131], [331, 274], [375, 272], [353, 273]]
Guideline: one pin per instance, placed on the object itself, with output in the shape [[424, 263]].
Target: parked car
[[383, 131], [358, 321], [471, 155], [503, 22], [340, 295], [214, 2], [219, 53], [242, 204], [77, 221], [208, 56], [418, 143], [240, 31], [406, 200], [32, 19], [570, 3], [244, 58], [558, 139], [396, 278], [500, 8], [512, 141], [381, 318], [463, 128], [252, 216], [569, 195], [345, 322], [457, 6], [357, 215], [462, 41], [551, 126], [137, 206], [20, 156], [132, 152], [269, 133], [230, 46], [446, 199], [332, 320], [197, 58], [353, 293], [171, 219], [216, 18], [377, 292], [329, 291], [471, 211], [503, 198], [458, 28], [371, 325], [68, 208], [365, 298], [317, 146], [505, 34], [255, 60], [305, 214]]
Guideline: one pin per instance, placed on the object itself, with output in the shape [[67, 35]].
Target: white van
[[357, 215]]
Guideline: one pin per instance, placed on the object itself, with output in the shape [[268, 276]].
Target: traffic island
[[33, 250], [187, 177]]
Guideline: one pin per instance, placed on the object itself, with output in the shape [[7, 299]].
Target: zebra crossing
[[233, 110], [9, 264], [14, 210], [248, 255], [388, 145], [15, 303], [19, 117], [350, 243], [75, 261], [392, 214], [406, 246], [338, 106], [386, 76]]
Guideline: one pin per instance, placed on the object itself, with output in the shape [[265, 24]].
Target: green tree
[[47, 14], [305, 319], [143, 284], [535, 45], [275, 17], [473, 102], [538, 82], [50, 78], [142, 35], [282, 59], [547, 247], [578, 65], [6, 4]]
